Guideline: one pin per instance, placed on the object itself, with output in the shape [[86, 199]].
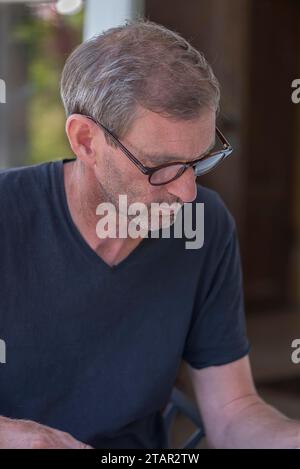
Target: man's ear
[[82, 133]]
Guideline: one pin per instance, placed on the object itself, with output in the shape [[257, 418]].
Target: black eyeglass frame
[[149, 171]]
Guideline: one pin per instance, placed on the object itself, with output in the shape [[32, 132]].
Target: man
[[96, 327]]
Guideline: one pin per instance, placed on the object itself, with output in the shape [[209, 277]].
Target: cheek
[[110, 171], [123, 177], [134, 182]]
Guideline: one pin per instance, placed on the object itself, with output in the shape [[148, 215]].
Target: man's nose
[[184, 188]]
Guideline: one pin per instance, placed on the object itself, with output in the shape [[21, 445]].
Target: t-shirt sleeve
[[217, 333]]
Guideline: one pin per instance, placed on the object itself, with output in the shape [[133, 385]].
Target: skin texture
[[24, 434], [233, 413]]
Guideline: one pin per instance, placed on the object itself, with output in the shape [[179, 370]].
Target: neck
[[84, 194]]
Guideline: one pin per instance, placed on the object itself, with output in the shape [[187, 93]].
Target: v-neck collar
[[77, 236]]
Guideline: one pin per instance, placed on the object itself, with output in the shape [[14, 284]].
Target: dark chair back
[[179, 402]]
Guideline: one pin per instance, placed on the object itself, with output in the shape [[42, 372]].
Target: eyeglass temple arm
[[132, 158], [224, 141], [145, 169]]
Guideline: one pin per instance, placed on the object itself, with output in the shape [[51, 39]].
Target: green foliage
[[47, 50]]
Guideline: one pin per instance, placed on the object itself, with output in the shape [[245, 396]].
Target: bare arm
[[25, 434], [234, 415]]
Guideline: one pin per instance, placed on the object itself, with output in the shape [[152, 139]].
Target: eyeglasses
[[165, 173]]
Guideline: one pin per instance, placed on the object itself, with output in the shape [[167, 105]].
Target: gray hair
[[138, 63]]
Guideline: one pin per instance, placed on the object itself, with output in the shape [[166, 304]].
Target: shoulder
[[22, 189], [26, 178], [20, 175]]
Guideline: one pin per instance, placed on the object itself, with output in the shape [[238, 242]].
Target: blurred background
[[253, 46]]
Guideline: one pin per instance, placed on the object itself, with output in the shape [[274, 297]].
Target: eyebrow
[[171, 158]]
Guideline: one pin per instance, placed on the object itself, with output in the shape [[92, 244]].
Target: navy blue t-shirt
[[94, 350]]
